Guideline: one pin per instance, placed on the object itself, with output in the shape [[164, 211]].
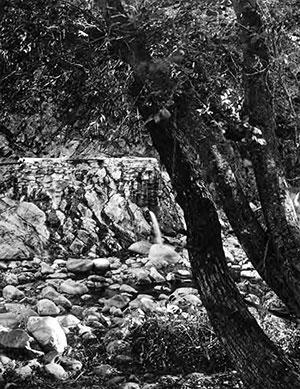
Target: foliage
[[178, 343], [59, 84], [64, 92]]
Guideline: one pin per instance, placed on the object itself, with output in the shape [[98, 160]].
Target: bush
[[181, 343]]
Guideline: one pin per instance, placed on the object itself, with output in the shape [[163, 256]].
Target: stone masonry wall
[[61, 207]]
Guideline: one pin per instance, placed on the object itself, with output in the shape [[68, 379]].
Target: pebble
[[57, 371], [46, 307], [10, 293], [72, 287], [101, 265], [79, 265], [46, 269], [68, 321]]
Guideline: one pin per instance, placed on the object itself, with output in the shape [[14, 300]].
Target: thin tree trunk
[[255, 240], [259, 362], [258, 107]]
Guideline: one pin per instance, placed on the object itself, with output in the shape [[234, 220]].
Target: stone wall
[[61, 207]]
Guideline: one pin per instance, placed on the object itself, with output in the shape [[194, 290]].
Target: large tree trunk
[[213, 150], [259, 362], [253, 354]]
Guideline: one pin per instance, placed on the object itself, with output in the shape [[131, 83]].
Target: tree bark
[[258, 108], [255, 240], [253, 354], [258, 361]]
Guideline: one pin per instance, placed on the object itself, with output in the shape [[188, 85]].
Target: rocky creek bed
[[88, 301], [133, 320]]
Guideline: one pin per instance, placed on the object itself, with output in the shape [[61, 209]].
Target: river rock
[[46, 269], [118, 301], [24, 372], [80, 265], [101, 264], [16, 339], [9, 320], [10, 293], [144, 302], [130, 385], [23, 312], [57, 371], [156, 276], [11, 279], [124, 288], [69, 363], [50, 293], [142, 276], [68, 321], [48, 332], [73, 287], [141, 247], [46, 307]]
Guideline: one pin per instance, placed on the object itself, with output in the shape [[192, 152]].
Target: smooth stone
[[57, 371], [16, 339], [68, 321], [10, 293], [156, 276], [58, 276], [9, 320], [48, 332], [79, 265], [141, 275], [46, 269], [73, 287], [144, 302], [46, 307], [141, 247], [70, 363], [118, 301], [130, 385], [114, 263], [23, 312], [50, 293], [3, 265], [101, 264]]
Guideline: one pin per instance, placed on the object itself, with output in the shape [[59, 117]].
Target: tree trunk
[[258, 108], [253, 354], [213, 152], [259, 362], [255, 240]]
